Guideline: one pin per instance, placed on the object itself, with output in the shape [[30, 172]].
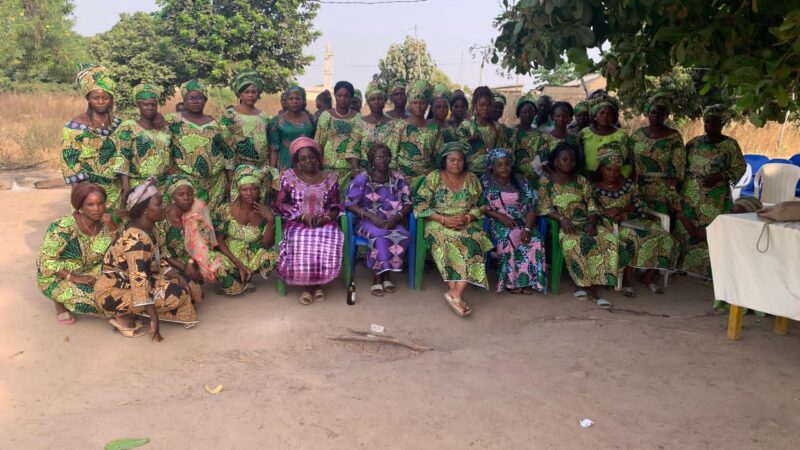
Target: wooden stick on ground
[[365, 336]]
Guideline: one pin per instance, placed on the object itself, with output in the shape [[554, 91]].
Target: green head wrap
[[451, 147], [581, 107], [91, 78], [718, 111], [146, 91], [522, 100], [399, 84], [246, 78], [657, 99], [245, 174], [610, 153], [602, 104], [296, 88], [441, 90], [419, 90], [176, 181], [194, 85], [499, 98], [375, 88], [357, 94]]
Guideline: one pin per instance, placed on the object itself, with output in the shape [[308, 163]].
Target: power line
[[381, 2]]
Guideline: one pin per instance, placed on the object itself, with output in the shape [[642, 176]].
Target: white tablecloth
[[768, 282]]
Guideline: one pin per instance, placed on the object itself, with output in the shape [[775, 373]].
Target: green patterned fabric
[[146, 152], [372, 134], [419, 90], [194, 86], [441, 90], [527, 145], [480, 138], [717, 111], [590, 142], [659, 161], [146, 91], [657, 99], [590, 260], [374, 88], [91, 78], [200, 152], [246, 78], [413, 150], [459, 254], [340, 140], [246, 135], [444, 134], [66, 247], [281, 134]]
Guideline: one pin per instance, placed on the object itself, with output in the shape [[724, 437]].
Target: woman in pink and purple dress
[[309, 202], [381, 200]]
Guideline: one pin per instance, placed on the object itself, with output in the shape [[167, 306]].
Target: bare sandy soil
[[519, 374]]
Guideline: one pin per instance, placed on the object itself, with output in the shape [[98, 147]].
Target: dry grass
[[30, 126]]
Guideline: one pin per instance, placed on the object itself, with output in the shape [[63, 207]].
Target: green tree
[[561, 74], [408, 61], [221, 37], [680, 85], [750, 48], [135, 50]]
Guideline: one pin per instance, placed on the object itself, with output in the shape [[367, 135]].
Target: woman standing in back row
[[338, 134], [244, 125], [292, 124]]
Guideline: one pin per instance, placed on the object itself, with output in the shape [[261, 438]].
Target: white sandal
[[376, 290], [655, 289], [603, 303], [388, 286], [580, 293]]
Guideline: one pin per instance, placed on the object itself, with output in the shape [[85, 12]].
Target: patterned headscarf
[[303, 142], [174, 182], [522, 100], [581, 107], [245, 174], [499, 98], [399, 84], [602, 104], [419, 90], [441, 90], [748, 204], [296, 88], [146, 91], [194, 85], [357, 94], [374, 88], [496, 153], [142, 193], [91, 78], [610, 153], [657, 99], [719, 111], [451, 147], [246, 78]]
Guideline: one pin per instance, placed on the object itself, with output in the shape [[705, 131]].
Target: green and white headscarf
[[145, 91], [718, 111], [92, 78], [419, 90], [246, 78], [194, 85], [245, 174], [374, 88]]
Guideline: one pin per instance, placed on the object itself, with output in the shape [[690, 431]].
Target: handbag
[[782, 212]]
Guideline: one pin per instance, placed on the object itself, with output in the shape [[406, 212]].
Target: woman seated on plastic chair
[[643, 244], [511, 206], [381, 200], [449, 198], [309, 202], [589, 246]]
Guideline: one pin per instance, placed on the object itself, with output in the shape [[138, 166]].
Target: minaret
[[327, 71]]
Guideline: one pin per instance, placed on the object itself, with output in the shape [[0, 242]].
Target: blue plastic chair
[[755, 162], [780, 161], [795, 159], [353, 241], [542, 222]]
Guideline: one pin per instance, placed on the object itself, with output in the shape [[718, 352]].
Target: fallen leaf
[[125, 444], [216, 390], [17, 354]]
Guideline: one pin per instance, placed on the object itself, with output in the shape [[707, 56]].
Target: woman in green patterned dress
[[526, 142], [437, 122], [397, 94], [292, 124], [246, 232], [590, 247], [412, 144], [659, 155], [714, 162], [72, 252], [244, 126], [376, 127], [602, 130], [481, 133], [448, 198], [562, 116], [198, 147], [643, 244], [581, 118], [339, 134], [144, 144], [459, 108], [87, 152]]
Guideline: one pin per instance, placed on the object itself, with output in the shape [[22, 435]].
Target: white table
[[747, 278]]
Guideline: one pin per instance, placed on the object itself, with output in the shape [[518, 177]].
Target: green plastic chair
[[556, 256]]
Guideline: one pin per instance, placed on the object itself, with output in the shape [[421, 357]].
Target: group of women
[[164, 204]]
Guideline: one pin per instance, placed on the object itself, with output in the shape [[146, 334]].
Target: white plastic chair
[[776, 182], [736, 191], [665, 223]]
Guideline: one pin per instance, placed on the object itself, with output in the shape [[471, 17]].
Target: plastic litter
[[586, 423]]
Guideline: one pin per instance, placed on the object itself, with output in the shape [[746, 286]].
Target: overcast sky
[[360, 35]]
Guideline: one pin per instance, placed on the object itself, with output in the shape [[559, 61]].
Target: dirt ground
[[519, 374]]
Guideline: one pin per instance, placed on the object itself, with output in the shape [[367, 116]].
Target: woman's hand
[[507, 221], [712, 180], [192, 271], [109, 223], [264, 211], [88, 280], [159, 121], [525, 236], [591, 229], [393, 221], [154, 330], [566, 225]]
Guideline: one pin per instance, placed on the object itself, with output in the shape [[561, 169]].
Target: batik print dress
[[340, 140], [66, 247], [133, 277], [590, 260], [526, 145], [201, 153], [549, 143], [413, 150], [372, 134], [245, 243], [281, 134], [384, 199], [89, 154], [521, 265], [590, 143], [702, 204], [481, 138], [658, 161], [459, 254], [246, 135], [146, 152], [309, 256], [443, 134], [647, 246]]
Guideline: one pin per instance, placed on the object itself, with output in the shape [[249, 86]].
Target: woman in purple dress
[[308, 201], [381, 200]]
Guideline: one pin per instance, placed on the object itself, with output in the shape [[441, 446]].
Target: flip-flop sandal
[[65, 318], [306, 298], [454, 305], [580, 293], [628, 291], [388, 286], [127, 332], [655, 289], [319, 295], [249, 288], [376, 290], [603, 303]]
